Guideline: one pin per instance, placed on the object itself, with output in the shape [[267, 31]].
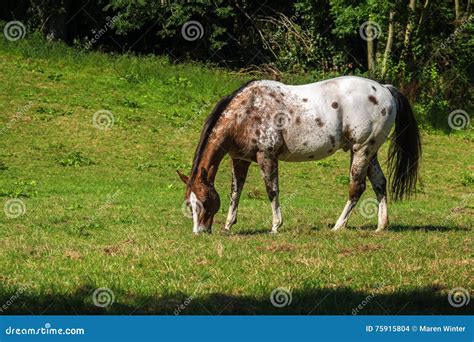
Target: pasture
[[104, 207]]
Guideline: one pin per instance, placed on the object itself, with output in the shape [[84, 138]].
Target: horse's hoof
[[226, 232]]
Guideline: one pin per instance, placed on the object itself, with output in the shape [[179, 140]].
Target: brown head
[[202, 200]]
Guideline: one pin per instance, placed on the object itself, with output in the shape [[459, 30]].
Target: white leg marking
[[193, 201], [277, 218], [342, 220], [382, 215]]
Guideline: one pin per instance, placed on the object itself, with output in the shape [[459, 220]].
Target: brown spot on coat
[[347, 133], [257, 119], [373, 100], [356, 189], [375, 89], [330, 150], [334, 105], [319, 122], [305, 100], [298, 120], [333, 140], [311, 157], [384, 111], [257, 132], [372, 141]]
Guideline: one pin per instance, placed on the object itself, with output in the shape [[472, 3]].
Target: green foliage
[[343, 179], [467, 178], [75, 159], [20, 188]]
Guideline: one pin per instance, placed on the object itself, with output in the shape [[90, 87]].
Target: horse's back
[[312, 121]]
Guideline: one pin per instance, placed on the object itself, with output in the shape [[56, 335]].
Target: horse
[[266, 121]]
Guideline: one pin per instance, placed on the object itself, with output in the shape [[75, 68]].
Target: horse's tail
[[404, 153]]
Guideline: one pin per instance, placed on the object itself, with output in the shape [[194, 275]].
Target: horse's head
[[202, 200]]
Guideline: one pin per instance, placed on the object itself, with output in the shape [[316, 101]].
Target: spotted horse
[[268, 121]]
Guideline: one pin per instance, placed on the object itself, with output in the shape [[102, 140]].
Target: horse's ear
[[183, 177]]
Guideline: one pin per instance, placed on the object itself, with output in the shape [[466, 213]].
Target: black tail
[[404, 153]]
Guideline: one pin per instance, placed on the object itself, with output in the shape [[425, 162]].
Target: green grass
[[103, 207]]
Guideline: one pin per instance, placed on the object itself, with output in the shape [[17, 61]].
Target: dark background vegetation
[[424, 46]]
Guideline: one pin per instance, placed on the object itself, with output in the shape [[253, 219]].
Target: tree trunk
[[388, 47], [456, 9], [371, 54], [423, 12], [55, 25], [409, 28]]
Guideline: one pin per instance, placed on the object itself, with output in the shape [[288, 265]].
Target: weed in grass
[[146, 166], [326, 163], [20, 188], [55, 77], [467, 178], [75, 159], [343, 179]]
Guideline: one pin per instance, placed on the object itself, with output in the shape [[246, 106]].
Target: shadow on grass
[[427, 228], [312, 301]]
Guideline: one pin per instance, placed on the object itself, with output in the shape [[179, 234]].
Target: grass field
[[103, 207]]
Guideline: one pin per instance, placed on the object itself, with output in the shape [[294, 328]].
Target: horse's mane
[[209, 124]]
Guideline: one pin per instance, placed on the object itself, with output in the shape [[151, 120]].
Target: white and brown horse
[[267, 122]]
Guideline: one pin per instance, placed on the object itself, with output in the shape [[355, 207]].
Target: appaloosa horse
[[267, 121]]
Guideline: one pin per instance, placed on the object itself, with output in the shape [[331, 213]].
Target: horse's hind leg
[[379, 184], [358, 173], [269, 168], [239, 174]]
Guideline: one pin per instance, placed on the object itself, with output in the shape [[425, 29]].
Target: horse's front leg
[[239, 174], [269, 169]]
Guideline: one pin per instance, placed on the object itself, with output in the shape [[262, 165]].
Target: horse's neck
[[212, 156]]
